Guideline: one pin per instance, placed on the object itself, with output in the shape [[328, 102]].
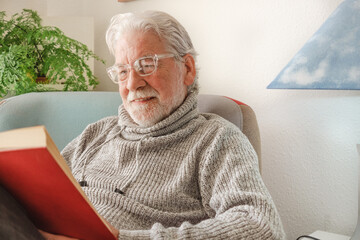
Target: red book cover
[[38, 177]]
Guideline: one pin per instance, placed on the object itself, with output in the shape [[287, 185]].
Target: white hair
[[168, 28]]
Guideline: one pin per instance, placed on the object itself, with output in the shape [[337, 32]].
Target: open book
[[34, 172]]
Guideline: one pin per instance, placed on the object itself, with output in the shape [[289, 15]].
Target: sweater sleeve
[[233, 195]]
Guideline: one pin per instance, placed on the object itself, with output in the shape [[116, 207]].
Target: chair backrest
[[66, 114], [237, 113]]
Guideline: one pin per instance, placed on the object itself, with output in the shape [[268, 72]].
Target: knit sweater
[[190, 176]]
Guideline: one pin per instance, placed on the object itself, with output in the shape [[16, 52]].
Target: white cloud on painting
[[303, 76], [354, 74]]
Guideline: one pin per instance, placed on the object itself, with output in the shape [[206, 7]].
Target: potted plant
[[30, 51]]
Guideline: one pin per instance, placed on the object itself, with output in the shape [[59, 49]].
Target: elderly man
[[160, 169]]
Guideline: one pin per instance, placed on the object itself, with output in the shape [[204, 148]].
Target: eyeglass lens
[[143, 66]]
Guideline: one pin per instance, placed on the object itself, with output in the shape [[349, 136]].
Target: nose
[[135, 81]]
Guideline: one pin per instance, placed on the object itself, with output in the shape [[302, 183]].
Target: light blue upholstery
[[66, 114]]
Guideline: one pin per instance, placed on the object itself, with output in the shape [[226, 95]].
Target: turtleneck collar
[[183, 114]]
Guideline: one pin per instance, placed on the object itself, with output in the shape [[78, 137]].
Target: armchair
[[66, 114]]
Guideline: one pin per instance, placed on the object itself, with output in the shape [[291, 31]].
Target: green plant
[[29, 50]]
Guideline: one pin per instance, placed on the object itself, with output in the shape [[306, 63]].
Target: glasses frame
[[136, 66]]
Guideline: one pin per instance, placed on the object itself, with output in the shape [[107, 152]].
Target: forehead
[[134, 44]]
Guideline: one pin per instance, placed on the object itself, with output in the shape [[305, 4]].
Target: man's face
[[149, 99]]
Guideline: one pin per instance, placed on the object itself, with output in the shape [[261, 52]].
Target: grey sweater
[[190, 176]]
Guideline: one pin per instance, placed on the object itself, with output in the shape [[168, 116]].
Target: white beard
[[152, 112]]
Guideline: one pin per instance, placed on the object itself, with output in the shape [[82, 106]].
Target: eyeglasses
[[143, 66]]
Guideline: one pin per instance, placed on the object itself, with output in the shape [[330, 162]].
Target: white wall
[[308, 137]]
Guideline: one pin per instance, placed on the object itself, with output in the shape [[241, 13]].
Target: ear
[[190, 69]]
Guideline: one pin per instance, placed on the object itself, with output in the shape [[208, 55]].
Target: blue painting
[[331, 58]]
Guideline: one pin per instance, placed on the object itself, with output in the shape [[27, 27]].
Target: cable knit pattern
[[190, 176]]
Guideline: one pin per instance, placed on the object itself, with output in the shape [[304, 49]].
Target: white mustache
[[144, 93]]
